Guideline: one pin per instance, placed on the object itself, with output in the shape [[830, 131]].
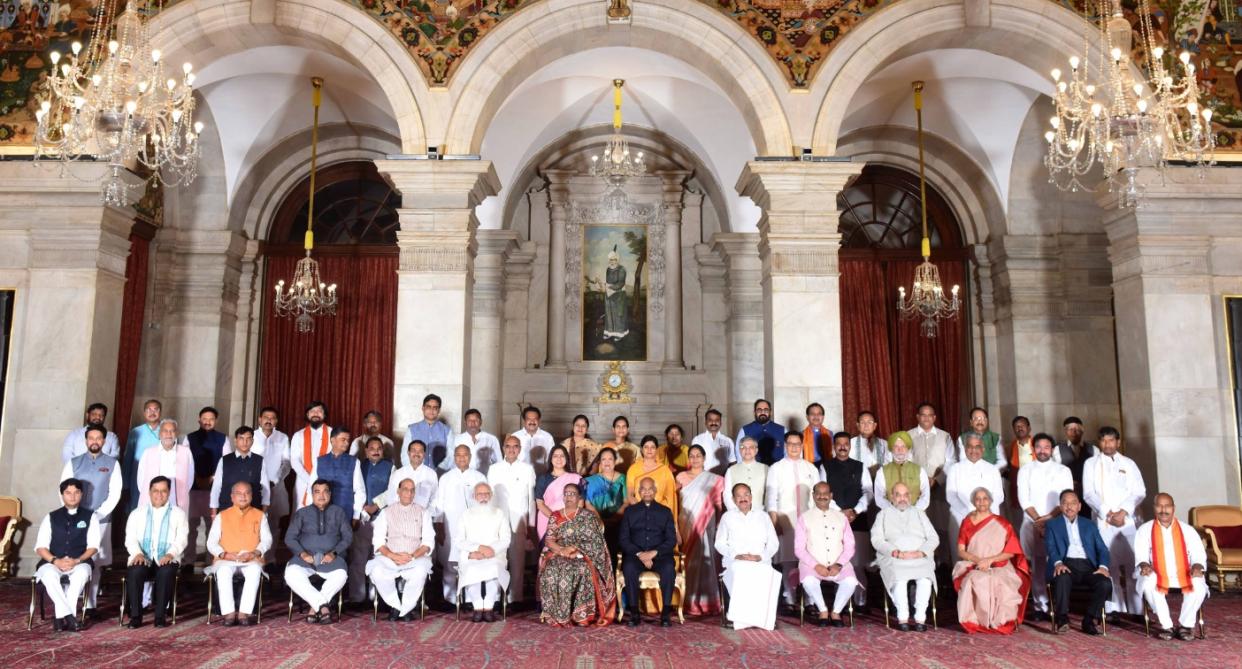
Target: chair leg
[[211, 595], [801, 607], [176, 592], [34, 592], [291, 606], [258, 614], [1048, 587], [457, 615], [374, 600], [120, 617], [340, 604], [886, 605], [851, 612], [935, 621]]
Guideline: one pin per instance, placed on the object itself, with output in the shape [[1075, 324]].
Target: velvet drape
[[133, 318]]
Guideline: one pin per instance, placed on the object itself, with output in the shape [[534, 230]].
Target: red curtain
[[347, 361], [888, 366], [133, 311]]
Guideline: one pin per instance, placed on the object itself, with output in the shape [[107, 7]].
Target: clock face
[[614, 380]]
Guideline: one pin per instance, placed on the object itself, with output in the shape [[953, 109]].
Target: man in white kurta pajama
[[403, 537], [788, 495], [454, 495], [1112, 486], [1170, 554], [480, 546], [746, 541], [513, 484], [964, 478]]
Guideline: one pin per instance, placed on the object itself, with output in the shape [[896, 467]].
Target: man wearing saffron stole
[[991, 575], [1170, 554], [306, 446], [701, 493], [576, 585]]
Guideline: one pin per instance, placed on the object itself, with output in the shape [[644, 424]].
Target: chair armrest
[[1213, 547]]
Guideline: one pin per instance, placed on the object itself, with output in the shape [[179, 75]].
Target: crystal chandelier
[[615, 164], [1123, 117], [111, 101], [927, 300], [308, 296]]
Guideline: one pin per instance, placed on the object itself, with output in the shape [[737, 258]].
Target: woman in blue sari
[[605, 495]]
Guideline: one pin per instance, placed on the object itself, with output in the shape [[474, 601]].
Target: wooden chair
[[1221, 560], [802, 605], [36, 593], [120, 618], [375, 598], [11, 507], [1200, 629], [724, 601], [888, 603], [1053, 613], [340, 599], [238, 581], [649, 580]]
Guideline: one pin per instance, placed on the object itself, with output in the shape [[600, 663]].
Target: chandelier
[[308, 296], [927, 299], [1123, 114], [615, 164], [112, 102]]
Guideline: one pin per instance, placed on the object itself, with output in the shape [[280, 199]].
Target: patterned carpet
[[440, 642]]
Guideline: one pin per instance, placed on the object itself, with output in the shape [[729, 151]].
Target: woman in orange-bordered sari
[[701, 503], [576, 585], [992, 577]]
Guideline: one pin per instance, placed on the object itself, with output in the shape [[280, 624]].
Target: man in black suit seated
[[648, 537]]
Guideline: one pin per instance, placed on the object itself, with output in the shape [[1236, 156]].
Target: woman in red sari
[[576, 583], [991, 576]]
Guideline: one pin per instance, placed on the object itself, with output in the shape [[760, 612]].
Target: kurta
[[754, 474], [871, 452], [482, 526], [317, 532], [484, 449], [964, 478], [753, 586], [906, 472], [896, 529], [304, 454], [536, 448], [182, 474], [425, 484], [143, 533], [718, 451], [993, 452], [788, 494], [823, 537]]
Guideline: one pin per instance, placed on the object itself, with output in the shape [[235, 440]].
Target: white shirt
[[75, 445], [275, 452], [859, 450], [265, 494], [719, 449], [746, 534], [1040, 485], [359, 445], [136, 527], [754, 474], [1195, 553], [44, 537], [513, 484], [789, 487], [1112, 484], [535, 448], [1074, 549], [484, 451], [114, 488], [455, 494], [880, 490], [425, 484], [213, 537], [964, 478]]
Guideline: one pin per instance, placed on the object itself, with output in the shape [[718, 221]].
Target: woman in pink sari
[[992, 577], [701, 502], [550, 487]]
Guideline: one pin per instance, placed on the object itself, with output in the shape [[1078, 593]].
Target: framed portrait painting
[[614, 292]]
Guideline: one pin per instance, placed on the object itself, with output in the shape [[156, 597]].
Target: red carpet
[[440, 642]]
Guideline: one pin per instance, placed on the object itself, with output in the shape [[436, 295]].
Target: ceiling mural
[[797, 34]]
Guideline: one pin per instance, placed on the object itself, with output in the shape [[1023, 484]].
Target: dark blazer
[[1056, 541], [646, 528]]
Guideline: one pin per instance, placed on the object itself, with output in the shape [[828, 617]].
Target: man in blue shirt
[[769, 435], [434, 433]]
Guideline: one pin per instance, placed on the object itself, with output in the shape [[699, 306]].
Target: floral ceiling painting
[[797, 34]]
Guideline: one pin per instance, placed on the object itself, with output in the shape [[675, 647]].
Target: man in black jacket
[[648, 537]]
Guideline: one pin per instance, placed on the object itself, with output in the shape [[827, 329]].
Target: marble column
[[487, 325], [672, 187], [743, 275], [64, 253], [1172, 260], [798, 245], [559, 212], [435, 280]]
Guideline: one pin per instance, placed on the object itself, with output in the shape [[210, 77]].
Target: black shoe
[[476, 617], [665, 621], [248, 621], [1063, 626], [489, 616], [1184, 634], [135, 622], [160, 622], [1089, 627], [920, 627], [634, 620], [91, 614], [903, 627], [1039, 617], [56, 623], [70, 624], [836, 622], [393, 616], [1113, 618]]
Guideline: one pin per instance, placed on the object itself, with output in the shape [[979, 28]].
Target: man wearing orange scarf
[[306, 446], [1169, 554]]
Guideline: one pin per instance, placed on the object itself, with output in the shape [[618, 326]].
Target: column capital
[[440, 184], [796, 187]]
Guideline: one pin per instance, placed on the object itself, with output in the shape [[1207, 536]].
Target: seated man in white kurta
[[403, 536], [1170, 554], [964, 478], [905, 547], [453, 496], [746, 541], [824, 544], [480, 546]]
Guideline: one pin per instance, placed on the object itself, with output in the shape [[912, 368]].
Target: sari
[[991, 601], [666, 485], [607, 498], [701, 501], [554, 496], [582, 457], [577, 591], [676, 457]]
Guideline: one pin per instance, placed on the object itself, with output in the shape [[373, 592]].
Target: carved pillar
[[673, 186], [487, 325], [558, 209], [744, 327], [435, 280]]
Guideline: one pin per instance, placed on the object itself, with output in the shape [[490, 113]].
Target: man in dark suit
[[648, 537], [1077, 555]]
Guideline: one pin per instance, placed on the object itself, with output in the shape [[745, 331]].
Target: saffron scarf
[[1179, 553], [308, 461]]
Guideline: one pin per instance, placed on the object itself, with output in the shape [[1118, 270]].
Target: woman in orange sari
[[651, 467], [576, 585], [992, 577]]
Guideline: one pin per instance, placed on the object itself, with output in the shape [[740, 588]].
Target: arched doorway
[[347, 361], [888, 366]]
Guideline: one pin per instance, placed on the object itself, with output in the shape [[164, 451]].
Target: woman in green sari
[[605, 495], [576, 584]]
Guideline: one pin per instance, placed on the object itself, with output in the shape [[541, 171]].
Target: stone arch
[[689, 31], [198, 30], [1036, 34]]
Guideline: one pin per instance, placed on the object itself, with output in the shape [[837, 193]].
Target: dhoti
[[753, 590]]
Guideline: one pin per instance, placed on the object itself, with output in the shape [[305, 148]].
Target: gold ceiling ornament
[[111, 101], [1123, 114], [927, 299], [616, 164], [308, 296]]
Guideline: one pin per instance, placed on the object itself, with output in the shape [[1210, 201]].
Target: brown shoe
[[489, 616], [477, 617], [230, 620], [248, 621]]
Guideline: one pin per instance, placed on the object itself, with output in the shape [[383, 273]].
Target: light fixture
[[616, 164], [1123, 117], [927, 299], [112, 102], [308, 296]]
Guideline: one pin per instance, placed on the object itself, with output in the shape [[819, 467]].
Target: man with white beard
[[454, 495], [481, 546]]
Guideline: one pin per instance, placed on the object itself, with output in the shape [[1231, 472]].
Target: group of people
[[771, 513]]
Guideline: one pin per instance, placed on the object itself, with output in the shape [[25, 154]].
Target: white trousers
[[483, 595], [1033, 545], [385, 580], [360, 551], [1120, 542], [901, 599], [251, 573], [845, 588], [298, 578], [1159, 603], [65, 598]]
